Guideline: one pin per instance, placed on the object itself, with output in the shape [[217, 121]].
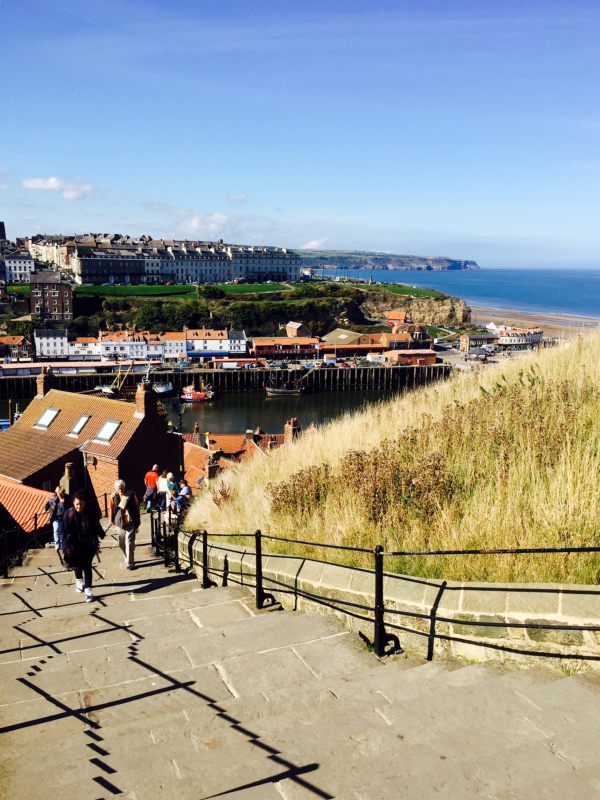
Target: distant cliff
[[360, 259]]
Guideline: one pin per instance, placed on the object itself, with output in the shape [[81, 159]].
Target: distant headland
[[363, 259]]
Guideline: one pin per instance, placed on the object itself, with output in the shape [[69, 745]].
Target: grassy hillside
[[509, 457]]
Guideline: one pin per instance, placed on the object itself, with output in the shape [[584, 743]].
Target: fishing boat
[[115, 389], [279, 391], [164, 389], [190, 394]]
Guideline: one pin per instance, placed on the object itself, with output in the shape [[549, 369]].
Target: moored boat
[[278, 391], [190, 394], [164, 389]]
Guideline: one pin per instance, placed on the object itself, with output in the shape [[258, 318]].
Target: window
[[46, 419], [107, 431], [80, 425]]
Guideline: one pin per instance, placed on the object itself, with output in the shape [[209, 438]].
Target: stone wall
[[494, 606]]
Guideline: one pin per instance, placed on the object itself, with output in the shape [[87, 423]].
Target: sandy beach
[[553, 324]]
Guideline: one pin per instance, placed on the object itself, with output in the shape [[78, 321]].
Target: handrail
[[384, 642]]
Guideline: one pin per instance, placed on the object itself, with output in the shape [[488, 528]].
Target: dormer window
[[47, 419], [107, 431], [80, 425]]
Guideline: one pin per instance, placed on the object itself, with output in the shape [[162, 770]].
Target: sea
[[573, 292]]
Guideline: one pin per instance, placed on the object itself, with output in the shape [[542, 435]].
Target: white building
[[128, 346], [519, 337], [238, 344], [51, 344], [18, 267], [174, 345], [84, 348], [205, 343]]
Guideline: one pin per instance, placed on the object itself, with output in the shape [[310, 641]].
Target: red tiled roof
[[12, 339], [22, 503], [203, 333]]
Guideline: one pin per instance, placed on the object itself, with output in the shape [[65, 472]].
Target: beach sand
[[552, 324]]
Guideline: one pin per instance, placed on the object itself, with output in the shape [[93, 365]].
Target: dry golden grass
[[509, 457]]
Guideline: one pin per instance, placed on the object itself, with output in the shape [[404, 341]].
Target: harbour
[[324, 379]]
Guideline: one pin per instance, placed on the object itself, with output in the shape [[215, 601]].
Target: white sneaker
[[88, 596], [78, 585]]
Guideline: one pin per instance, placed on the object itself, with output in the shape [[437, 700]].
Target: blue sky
[[467, 129]]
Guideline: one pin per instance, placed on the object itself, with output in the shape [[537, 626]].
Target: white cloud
[[315, 244], [237, 198], [73, 189], [204, 224]]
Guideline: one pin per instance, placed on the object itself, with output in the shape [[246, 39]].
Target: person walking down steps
[[125, 516], [81, 541]]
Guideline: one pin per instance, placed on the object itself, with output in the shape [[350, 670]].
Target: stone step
[[581, 784]]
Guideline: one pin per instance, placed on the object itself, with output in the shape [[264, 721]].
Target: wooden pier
[[325, 379]]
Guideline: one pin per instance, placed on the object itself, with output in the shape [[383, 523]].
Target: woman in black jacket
[[81, 539]]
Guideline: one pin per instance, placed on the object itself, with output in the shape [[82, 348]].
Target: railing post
[[260, 595], [432, 615], [206, 581], [165, 548], [5, 554], [176, 548], [379, 637], [105, 504]]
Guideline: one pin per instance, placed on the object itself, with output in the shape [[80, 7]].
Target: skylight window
[[80, 424], [47, 419], [107, 431]]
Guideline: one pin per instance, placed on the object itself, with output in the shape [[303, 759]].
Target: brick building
[[50, 297], [103, 439]]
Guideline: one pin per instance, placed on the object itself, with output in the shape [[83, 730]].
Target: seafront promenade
[[162, 689]]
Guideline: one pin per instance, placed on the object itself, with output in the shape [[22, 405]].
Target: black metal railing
[[384, 639]]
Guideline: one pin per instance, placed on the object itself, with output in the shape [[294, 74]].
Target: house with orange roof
[[208, 454], [397, 316], [15, 347]]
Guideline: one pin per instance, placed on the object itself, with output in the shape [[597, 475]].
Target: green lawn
[[123, 290], [186, 290], [18, 288], [252, 288], [409, 291]]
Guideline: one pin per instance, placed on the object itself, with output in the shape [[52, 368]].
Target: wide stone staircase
[[161, 689]]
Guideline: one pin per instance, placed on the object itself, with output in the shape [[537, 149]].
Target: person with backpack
[[57, 506], [81, 541], [125, 516]]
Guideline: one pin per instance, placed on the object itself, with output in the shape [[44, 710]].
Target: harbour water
[[235, 413], [557, 291]]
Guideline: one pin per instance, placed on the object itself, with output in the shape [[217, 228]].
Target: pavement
[[159, 689]]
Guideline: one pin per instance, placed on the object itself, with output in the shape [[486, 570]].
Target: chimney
[[207, 440], [145, 400], [67, 481], [44, 382], [212, 467], [249, 435], [291, 430]]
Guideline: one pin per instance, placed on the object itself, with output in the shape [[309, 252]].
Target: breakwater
[[326, 379]]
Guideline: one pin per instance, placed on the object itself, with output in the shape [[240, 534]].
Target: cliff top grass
[[506, 457]]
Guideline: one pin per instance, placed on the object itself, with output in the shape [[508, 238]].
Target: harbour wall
[[326, 379]]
